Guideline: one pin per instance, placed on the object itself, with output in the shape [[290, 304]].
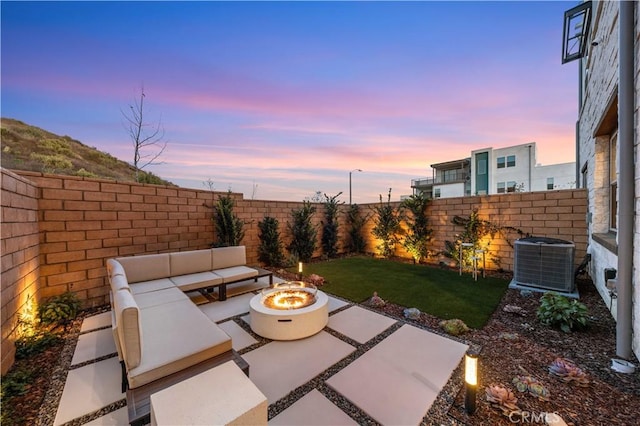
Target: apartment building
[[495, 171]]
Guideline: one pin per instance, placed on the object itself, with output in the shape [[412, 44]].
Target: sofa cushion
[[114, 268], [236, 273], [225, 257], [119, 282], [114, 327], [177, 336], [145, 268], [128, 328], [159, 297], [153, 285], [197, 281], [189, 262]]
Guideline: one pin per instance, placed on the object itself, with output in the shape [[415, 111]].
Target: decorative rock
[[508, 336], [514, 310], [315, 279], [412, 313]]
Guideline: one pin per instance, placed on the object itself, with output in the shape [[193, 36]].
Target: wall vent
[[545, 263]]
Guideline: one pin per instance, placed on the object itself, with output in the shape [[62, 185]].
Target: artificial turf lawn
[[439, 292]]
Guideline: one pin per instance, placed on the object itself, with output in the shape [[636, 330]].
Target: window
[[508, 161], [613, 181], [511, 186], [584, 175], [482, 167], [550, 183], [500, 187], [436, 193]]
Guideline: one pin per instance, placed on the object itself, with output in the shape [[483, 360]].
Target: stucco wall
[[20, 255]]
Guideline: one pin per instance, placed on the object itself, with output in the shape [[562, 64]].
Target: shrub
[[270, 248], [455, 327], [387, 227], [356, 222], [27, 346], [229, 227], [556, 310], [418, 235], [303, 233], [59, 310], [82, 172], [52, 163], [330, 225]]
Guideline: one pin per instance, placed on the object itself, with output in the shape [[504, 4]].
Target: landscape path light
[[470, 381]]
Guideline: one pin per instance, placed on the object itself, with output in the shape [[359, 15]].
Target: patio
[[362, 368]]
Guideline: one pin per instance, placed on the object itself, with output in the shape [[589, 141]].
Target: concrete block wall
[[20, 256], [84, 222], [75, 224], [555, 214]]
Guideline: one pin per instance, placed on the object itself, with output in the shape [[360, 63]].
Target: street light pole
[[354, 170]]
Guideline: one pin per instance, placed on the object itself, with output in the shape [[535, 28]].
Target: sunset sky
[[278, 100]]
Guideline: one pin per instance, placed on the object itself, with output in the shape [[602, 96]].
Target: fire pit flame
[[289, 295]]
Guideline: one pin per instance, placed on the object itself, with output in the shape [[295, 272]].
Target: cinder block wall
[[20, 255], [555, 214], [69, 226]]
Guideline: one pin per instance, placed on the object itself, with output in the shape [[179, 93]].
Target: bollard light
[[470, 381], [299, 267]]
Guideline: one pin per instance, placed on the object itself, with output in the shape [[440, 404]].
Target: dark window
[[511, 161], [501, 162], [500, 187], [511, 186], [550, 183]]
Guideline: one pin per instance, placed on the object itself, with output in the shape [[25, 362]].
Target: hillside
[[26, 147]]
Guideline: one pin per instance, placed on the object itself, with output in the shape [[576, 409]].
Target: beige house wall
[[598, 121]]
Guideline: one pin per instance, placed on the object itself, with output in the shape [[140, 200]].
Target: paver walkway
[[387, 371]]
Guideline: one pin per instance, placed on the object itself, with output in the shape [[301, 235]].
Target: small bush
[[229, 227], [559, 311], [455, 327], [387, 227], [15, 383], [59, 310], [270, 248], [356, 222], [39, 342], [330, 226], [303, 233]]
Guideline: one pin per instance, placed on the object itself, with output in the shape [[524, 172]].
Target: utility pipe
[[626, 179]]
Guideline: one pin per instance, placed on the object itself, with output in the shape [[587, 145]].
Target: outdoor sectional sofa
[[161, 336]]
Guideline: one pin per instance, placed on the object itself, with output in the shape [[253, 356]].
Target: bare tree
[[144, 135]]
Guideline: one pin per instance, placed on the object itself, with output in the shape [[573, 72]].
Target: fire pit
[[289, 311]]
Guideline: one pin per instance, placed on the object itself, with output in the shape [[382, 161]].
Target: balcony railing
[[451, 176]]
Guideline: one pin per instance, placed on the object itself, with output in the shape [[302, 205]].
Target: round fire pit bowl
[[289, 311]]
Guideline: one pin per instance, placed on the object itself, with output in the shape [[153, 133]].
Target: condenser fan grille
[[544, 263]]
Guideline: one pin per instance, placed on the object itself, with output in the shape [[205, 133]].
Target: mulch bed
[[611, 398]]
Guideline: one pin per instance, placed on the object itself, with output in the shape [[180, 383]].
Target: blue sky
[[278, 100]]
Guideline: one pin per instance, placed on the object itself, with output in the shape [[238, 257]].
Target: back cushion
[[190, 262], [128, 324], [226, 257], [114, 268], [119, 282], [145, 268]]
